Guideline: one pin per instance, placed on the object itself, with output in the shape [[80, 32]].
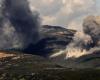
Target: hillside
[[30, 67], [53, 39]]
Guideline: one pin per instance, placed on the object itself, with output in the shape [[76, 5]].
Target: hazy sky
[[67, 13]]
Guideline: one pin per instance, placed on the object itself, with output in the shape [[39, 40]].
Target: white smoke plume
[[79, 46]]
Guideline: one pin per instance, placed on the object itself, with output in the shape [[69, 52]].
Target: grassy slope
[[29, 67]]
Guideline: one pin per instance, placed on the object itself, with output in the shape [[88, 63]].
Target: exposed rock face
[[92, 27], [53, 38]]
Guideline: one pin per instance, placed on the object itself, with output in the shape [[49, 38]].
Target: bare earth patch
[[3, 55]]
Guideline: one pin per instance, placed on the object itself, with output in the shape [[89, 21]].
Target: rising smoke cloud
[[81, 40], [91, 26], [18, 25]]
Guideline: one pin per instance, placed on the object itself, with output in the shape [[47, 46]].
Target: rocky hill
[[53, 39]]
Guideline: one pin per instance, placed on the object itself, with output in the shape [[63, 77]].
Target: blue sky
[[66, 13]]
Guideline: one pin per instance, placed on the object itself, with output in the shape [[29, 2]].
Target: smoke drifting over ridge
[[18, 25], [89, 37], [87, 41]]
